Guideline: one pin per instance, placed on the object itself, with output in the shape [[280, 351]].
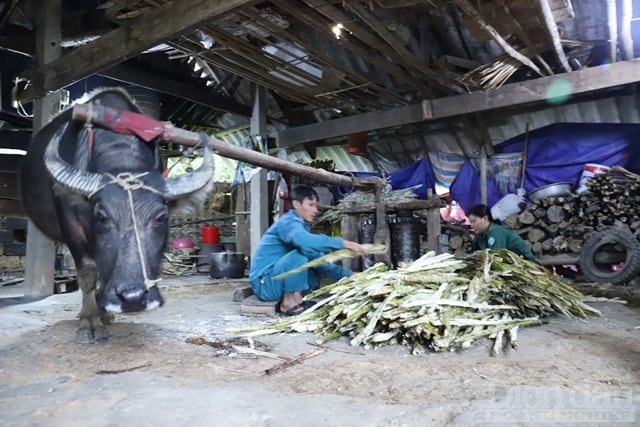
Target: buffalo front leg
[[92, 319]]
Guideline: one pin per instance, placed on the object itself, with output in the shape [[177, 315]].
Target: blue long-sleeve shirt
[[288, 233]]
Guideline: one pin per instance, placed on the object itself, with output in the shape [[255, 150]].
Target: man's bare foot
[[289, 301]]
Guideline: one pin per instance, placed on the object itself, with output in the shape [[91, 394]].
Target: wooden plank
[[394, 206], [241, 294], [252, 305], [508, 96], [159, 25]]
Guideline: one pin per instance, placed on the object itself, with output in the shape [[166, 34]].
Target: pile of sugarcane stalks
[[437, 302], [558, 225]]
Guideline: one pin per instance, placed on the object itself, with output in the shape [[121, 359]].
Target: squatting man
[[288, 244]]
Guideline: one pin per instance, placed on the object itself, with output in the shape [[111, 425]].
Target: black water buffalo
[[102, 193]]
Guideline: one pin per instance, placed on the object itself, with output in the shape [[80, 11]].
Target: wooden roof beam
[[194, 93], [364, 53], [625, 29], [549, 24], [473, 13], [395, 43], [159, 25], [524, 36], [581, 82], [319, 57], [337, 16]]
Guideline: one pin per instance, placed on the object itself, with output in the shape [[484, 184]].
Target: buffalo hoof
[[91, 331], [107, 318]]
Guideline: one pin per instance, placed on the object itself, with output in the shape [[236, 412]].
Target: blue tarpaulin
[[556, 153]]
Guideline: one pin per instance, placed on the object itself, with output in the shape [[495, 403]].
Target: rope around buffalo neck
[[130, 182]]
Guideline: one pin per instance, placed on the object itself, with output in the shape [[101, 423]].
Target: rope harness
[[130, 182]]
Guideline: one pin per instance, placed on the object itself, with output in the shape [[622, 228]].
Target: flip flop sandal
[[308, 304], [293, 311]]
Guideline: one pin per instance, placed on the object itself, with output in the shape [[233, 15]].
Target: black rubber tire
[[618, 239]]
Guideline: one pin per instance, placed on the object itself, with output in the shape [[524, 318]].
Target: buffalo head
[[128, 224]]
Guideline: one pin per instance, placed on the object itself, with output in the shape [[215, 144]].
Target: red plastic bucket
[[210, 234]]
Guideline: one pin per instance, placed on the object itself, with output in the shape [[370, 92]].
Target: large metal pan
[[551, 190]]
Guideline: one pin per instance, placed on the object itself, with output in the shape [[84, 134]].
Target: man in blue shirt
[[288, 244]]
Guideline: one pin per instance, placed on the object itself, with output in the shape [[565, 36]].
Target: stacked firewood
[[458, 237], [551, 225], [562, 224]]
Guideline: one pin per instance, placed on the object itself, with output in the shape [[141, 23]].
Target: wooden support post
[[259, 187], [39, 273], [259, 213], [433, 224], [382, 234], [483, 174], [349, 227], [243, 243]]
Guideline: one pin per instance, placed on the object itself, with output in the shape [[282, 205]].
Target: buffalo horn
[[73, 179], [186, 184]]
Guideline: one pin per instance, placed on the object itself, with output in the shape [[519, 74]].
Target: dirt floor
[[568, 372]]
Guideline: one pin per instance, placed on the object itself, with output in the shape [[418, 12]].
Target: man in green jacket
[[490, 235]]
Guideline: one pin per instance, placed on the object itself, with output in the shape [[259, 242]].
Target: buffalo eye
[[160, 220], [101, 218]]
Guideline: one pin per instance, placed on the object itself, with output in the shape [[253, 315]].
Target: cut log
[[560, 243], [540, 212], [526, 218], [456, 242], [536, 248], [535, 235], [512, 221], [547, 245], [555, 213], [575, 245]]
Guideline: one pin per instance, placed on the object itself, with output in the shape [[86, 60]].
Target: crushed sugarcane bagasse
[[438, 302]]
